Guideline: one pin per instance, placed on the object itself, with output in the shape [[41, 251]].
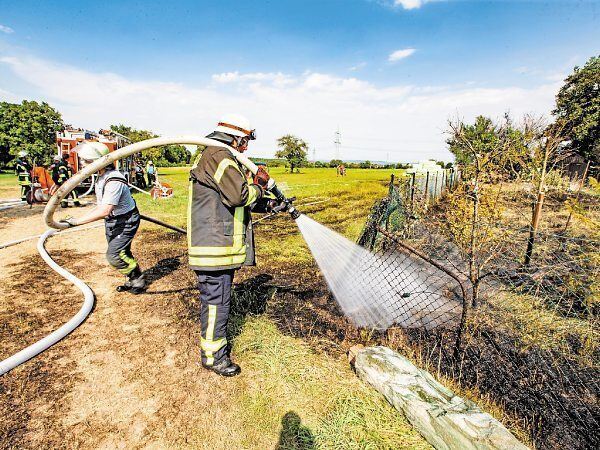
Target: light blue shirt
[[115, 193]]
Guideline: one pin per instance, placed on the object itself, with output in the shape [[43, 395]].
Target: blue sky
[[304, 67]]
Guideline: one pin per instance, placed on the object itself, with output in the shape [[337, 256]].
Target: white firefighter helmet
[[236, 125], [92, 151], [56, 158], [22, 154], [150, 162]]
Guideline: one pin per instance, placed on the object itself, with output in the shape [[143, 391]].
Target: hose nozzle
[[284, 203]]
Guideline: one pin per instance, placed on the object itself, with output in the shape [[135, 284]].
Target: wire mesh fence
[[521, 332]]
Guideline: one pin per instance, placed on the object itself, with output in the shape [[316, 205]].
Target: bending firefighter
[[23, 170], [121, 217], [220, 235], [61, 172]]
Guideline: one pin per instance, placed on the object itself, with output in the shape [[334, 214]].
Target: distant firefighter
[[151, 172], [23, 170], [61, 172]]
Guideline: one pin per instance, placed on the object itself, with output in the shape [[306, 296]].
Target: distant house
[[424, 167]]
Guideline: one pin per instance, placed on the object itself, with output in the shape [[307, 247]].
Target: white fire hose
[[35, 349]]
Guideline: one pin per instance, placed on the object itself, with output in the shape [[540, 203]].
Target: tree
[[578, 109], [366, 164], [487, 149], [293, 149], [176, 154], [154, 153], [29, 126], [168, 155]]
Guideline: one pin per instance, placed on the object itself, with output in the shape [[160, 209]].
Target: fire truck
[[66, 144], [68, 140]]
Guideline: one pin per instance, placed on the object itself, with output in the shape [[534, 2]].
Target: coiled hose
[[88, 303]]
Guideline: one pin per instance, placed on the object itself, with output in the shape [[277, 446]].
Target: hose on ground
[[88, 304], [41, 345]]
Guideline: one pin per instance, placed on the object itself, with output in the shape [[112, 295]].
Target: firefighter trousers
[[120, 231], [71, 195], [215, 300], [25, 183]]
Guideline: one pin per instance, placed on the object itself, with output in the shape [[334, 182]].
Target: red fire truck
[[68, 140]]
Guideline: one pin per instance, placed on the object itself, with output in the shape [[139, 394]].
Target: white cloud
[[5, 29], [277, 78], [358, 66], [401, 54], [409, 4], [409, 119]]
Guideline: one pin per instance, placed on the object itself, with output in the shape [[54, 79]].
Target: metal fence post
[[426, 197]]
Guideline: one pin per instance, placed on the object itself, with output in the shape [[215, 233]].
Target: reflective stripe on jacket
[[64, 172], [22, 168], [220, 234]]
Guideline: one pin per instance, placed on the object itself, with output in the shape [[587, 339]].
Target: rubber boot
[[135, 282], [225, 368]]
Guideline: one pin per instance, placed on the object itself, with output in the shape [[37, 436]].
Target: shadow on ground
[[294, 435]]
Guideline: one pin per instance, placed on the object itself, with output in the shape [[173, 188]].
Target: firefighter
[[61, 172], [151, 172], [23, 170], [121, 217], [220, 235], [139, 176]]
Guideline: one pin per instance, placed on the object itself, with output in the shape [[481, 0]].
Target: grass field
[[341, 203], [336, 411], [8, 186], [295, 393]]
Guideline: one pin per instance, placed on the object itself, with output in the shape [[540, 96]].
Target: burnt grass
[[42, 383], [546, 395], [527, 382]]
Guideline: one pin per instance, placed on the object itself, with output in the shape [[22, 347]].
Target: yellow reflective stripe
[[197, 160], [212, 346], [189, 213], [210, 332], [221, 168], [131, 263], [216, 261], [237, 248], [252, 195]]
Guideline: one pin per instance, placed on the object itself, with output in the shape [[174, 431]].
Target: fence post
[[535, 222], [577, 194], [426, 196], [435, 188], [444, 181], [412, 190]]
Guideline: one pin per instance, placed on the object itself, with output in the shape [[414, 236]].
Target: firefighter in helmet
[[61, 172], [121, 217], [220, 235], [23, 170]]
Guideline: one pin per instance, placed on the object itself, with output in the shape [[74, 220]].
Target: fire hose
[[284, 204]]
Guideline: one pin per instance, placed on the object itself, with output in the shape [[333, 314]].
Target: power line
[[337, 143]]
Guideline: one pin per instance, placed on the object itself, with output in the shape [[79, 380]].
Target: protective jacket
[[23, 168], [220, 234], [60, 172]]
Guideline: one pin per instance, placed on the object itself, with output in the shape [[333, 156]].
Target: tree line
[[32, 127]]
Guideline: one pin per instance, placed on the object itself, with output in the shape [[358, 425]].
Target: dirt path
[[129, 377]]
